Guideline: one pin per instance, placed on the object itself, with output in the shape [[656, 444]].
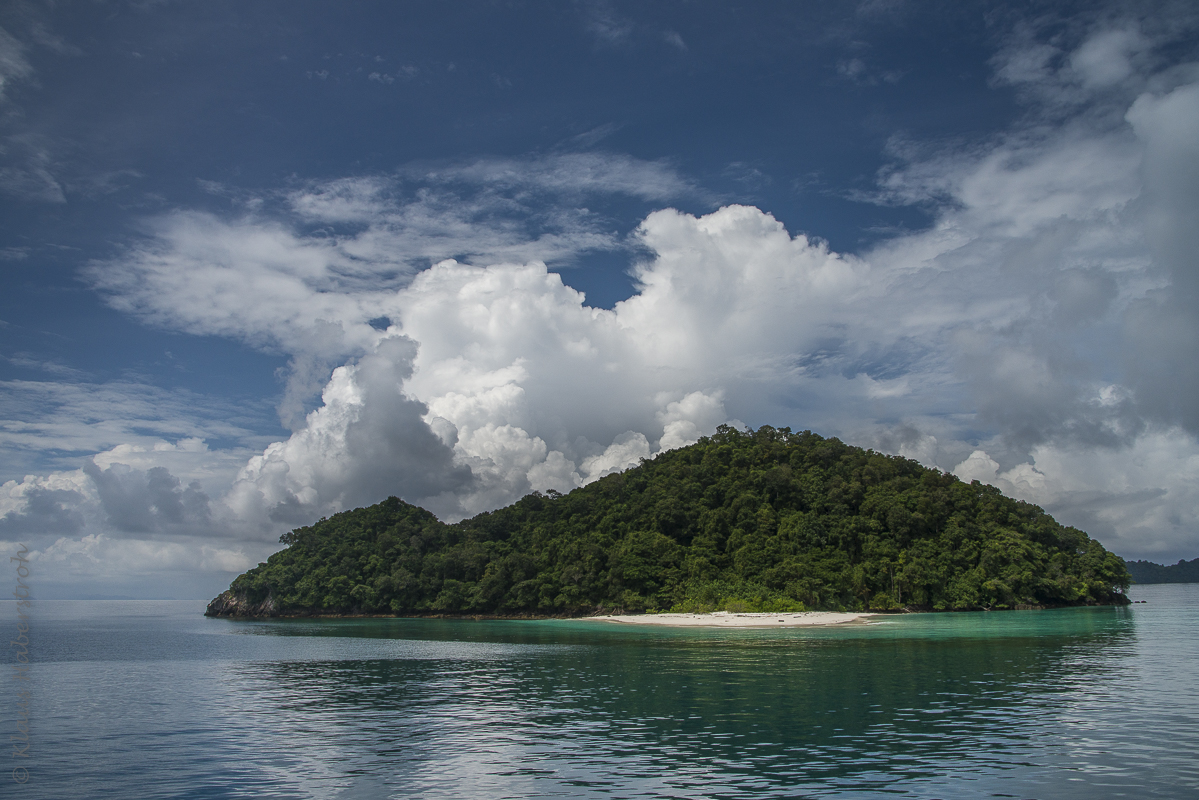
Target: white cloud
[[365, 442], [94, 528], [515, 384], [99, 554], [252, 280], [521, 369], [55, 424], [1140, 501], [1106, 58], [310, 287], [685, 421], [570, 174], [279, 286], [144, 501], [627, 450]]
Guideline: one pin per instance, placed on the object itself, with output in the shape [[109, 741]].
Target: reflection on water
[[154, 701]]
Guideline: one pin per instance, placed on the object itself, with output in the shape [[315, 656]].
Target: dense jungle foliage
[[764, 520]]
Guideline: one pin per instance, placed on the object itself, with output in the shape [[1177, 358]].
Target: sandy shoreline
[[728, 619]]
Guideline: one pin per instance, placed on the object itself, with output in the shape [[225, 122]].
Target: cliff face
[[230, 604]]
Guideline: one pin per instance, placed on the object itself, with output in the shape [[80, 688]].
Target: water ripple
[[156, 702]]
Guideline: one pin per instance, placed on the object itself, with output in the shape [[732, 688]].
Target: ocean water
[[152, 700]]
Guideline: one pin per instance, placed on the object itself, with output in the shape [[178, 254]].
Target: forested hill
[[1149, 572], [764, 520]]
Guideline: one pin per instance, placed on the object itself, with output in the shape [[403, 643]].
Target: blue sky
[[263, 262]]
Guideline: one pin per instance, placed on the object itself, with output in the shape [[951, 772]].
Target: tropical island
[[1149, 572], [742, 521]]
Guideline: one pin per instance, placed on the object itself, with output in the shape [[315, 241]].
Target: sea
[[150, 699]]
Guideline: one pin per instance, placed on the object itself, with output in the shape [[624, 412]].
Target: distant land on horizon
[[1148, 572], [765, 520]]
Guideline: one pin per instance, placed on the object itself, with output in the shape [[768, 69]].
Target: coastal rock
[[230, 604]]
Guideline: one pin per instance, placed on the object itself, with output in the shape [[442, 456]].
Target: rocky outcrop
[[228, 604]]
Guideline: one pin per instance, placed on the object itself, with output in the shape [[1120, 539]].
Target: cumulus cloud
[[137, 501], [305, 271], [521, 371], [39, 509], [368, 440], [1141, 500], [490, 382], [685, 421], [117, 474], [1060, 237], [97, 529]]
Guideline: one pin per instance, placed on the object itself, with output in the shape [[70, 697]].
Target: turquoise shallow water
[[152, 700]]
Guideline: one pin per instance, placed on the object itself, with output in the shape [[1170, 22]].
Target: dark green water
[[150, 700]]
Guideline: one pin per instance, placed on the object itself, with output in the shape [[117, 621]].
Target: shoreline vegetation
[[743, 522]]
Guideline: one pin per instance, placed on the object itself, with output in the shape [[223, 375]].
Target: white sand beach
[[729, 619]]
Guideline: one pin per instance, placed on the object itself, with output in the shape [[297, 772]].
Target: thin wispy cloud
[[14, 66]]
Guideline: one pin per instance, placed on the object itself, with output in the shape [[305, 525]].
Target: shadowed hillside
[[1149, 572]]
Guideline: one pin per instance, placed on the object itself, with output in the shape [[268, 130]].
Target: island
[[743, 521], [1149, 572]]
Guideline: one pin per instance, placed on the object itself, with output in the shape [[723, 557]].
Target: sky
[[264, 262]]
